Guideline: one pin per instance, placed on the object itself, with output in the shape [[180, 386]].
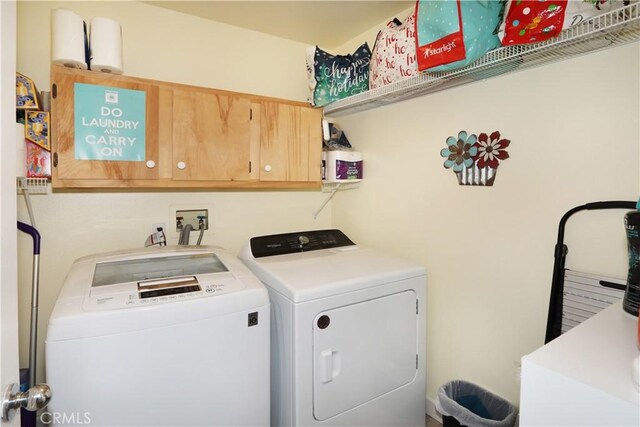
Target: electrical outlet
[[193, 217], [155, 226]]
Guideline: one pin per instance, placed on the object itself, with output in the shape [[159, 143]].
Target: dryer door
[[362, 351]]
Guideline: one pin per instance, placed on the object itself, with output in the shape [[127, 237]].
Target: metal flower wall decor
[[475, 159]]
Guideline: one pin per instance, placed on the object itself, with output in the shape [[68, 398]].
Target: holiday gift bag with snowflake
[[534, 21], [475, 159]]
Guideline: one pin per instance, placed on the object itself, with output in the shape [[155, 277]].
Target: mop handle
[[33, 332], [35, 235]]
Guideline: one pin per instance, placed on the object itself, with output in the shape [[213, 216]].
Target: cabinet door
[[290, 142], [105, 131], [211, 135]]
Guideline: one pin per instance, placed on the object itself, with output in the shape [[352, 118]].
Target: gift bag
[[393, 56], [451, 34], [333, 77], [532, 21]]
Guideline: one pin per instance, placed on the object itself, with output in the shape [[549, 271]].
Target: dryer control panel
[[304, 241]]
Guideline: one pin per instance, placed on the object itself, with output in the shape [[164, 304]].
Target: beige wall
[[369, 36], [163, 45], [166, 45], [489, 251]]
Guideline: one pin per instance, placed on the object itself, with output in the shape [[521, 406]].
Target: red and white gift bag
[[533, 21], [394, 53]]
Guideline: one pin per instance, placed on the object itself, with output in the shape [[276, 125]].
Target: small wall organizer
[[33, 185], [28, 186], [341, 170], [612, 29]]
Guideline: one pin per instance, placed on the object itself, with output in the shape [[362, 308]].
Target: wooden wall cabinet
[[287, 142], [195, 138], [65, 166], [210, 136]]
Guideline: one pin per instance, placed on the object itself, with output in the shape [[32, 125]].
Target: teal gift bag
[[451, 34]]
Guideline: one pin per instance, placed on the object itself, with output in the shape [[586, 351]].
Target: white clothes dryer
[[171, 336], [348, 331]]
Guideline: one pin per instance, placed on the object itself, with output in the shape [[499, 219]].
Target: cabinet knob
[[151, 164], [267, 168], [181, 165]]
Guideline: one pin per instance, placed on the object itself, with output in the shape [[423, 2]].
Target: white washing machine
[[347, 331], [171, 336]]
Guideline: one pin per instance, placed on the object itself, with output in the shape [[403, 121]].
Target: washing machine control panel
[[280, 244], [130, 295], [126, 282]]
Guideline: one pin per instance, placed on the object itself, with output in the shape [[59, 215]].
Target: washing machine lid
[[156, 268], [131, 290], [316, 264]]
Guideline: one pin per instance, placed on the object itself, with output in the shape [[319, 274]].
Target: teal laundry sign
[[109, 123]]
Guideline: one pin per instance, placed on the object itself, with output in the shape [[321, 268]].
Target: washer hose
[[184, 234]]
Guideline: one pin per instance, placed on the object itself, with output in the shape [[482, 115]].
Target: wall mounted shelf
[[332, 188], [28, 186], [33, 185], [608, 30]]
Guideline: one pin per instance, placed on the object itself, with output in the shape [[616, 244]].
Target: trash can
[[465, 404]]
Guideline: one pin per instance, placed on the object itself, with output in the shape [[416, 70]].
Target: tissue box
[[342, 166], [38, 161], [37, 128], [26, 93]]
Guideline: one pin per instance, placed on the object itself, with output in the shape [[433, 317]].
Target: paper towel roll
[[21, 156], [67, 39], [106, 45]]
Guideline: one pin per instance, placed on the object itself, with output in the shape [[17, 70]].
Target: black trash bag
[[473, 406]]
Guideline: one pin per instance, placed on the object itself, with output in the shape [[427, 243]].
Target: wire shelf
[[328, 187], [611, 29], [332, 188], [33, 185]]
